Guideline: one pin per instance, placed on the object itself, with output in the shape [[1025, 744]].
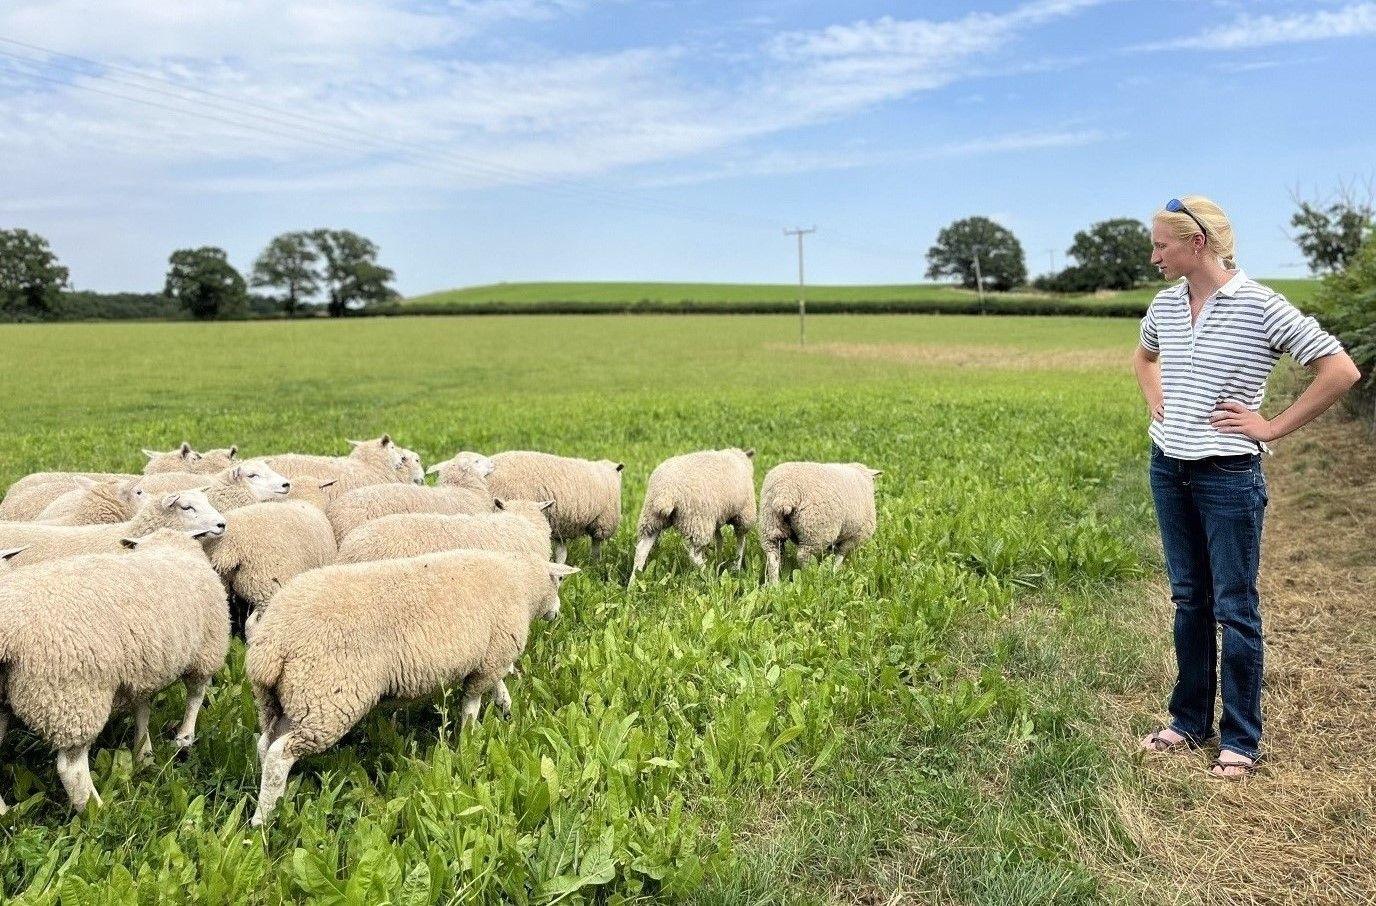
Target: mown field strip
[[654, 729]]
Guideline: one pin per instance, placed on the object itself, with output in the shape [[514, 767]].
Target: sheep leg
[[474, 688], [501, 697], [75, 770], [773, 558], [642, 554], [195, 696], [4, 721], [698, 555], [836, 562], [806, 554], [142, 745], [740, 550], [276, 765], [561, 552]]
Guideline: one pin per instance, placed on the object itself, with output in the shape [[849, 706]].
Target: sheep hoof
[[3, 807], [257, 820]]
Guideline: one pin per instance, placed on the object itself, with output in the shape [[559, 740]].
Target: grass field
[[760, 297], [925, 720]]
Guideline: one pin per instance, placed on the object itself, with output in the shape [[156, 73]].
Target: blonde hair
[[1218, 232]]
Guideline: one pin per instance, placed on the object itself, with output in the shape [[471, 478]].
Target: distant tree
[[1113, 254], [1000, 254], [1329, 232], [352, 278], [289, 264], [31, 280], [204, 283]]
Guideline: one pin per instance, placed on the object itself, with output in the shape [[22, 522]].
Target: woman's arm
[[1334, 375], [1148, 370]]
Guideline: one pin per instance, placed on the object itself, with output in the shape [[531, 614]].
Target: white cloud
[[1355, 20], [386, 93]]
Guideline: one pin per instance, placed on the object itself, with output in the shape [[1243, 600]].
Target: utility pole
[[1051, 253], [802, 306], [979, 281]]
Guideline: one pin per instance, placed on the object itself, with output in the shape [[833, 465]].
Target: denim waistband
[[1235, 459]]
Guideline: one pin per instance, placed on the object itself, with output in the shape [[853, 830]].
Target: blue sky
[[485, 140]]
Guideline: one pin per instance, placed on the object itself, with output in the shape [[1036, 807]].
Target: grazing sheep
[[91, 635], [314, 491], [28, 496], [519, 527], [339, 640], [188, 511], [96, 502], [354, 508], [586, 494], [264, 546], [820, 507], [251, 481], [377, 461], [698, 493]]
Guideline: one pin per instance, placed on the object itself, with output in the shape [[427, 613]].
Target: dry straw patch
[[1304, 829], [973, 356]]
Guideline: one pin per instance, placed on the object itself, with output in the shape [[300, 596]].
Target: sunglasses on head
[[1176, 206]]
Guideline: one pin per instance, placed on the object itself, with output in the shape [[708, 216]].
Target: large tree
[[289, 264], [1114, 254], [352, 277], [204, 283], [1330, 232], [31, 280], [957, 246]]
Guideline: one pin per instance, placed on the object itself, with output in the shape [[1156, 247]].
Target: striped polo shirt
[[1242, 330]]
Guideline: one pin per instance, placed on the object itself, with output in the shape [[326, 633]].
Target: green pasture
[[924, 720], [782, 297]]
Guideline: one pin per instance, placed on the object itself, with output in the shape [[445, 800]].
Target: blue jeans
[[1210, 512]]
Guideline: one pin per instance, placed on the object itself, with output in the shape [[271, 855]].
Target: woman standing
[[1208, 345]]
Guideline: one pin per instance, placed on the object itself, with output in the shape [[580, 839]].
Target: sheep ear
[[620, 466], [170, 501], [151, 454], [544, 504], [233, 450], [436, 467], [497, 503], [12, 552], [561, 571], [750, 453], [185, 450], [875, 473], [129, 543], [237, 474], [386, 440], [355, 443], [83, 482]]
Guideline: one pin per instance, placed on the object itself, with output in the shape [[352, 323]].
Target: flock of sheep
[[352, 580]]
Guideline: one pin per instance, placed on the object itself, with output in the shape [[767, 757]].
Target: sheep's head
[[123, 491], [217, 460], [181, 459], [409, 469], [462, 466], [265, 483], [380, 451], [549, 605], [533, 511], [190, 512]]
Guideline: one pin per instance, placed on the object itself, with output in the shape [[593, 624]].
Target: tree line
[[337, 270], [306, 270]]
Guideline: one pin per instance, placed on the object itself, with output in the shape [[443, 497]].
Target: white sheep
[[586, 494], [263, 547], [188, 511], [87, 636], [518, 527], [337, 641], [376, 461], [28, 496], [821, 507], [96, 502], [698, 493], [357, 507], [251, 481]]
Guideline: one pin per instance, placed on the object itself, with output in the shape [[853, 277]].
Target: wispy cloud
[[1355, 20]]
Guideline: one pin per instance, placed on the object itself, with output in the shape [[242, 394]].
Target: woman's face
[[1172, 256]]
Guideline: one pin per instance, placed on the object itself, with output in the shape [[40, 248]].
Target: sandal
[[1245, 768], [1156, 744]]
